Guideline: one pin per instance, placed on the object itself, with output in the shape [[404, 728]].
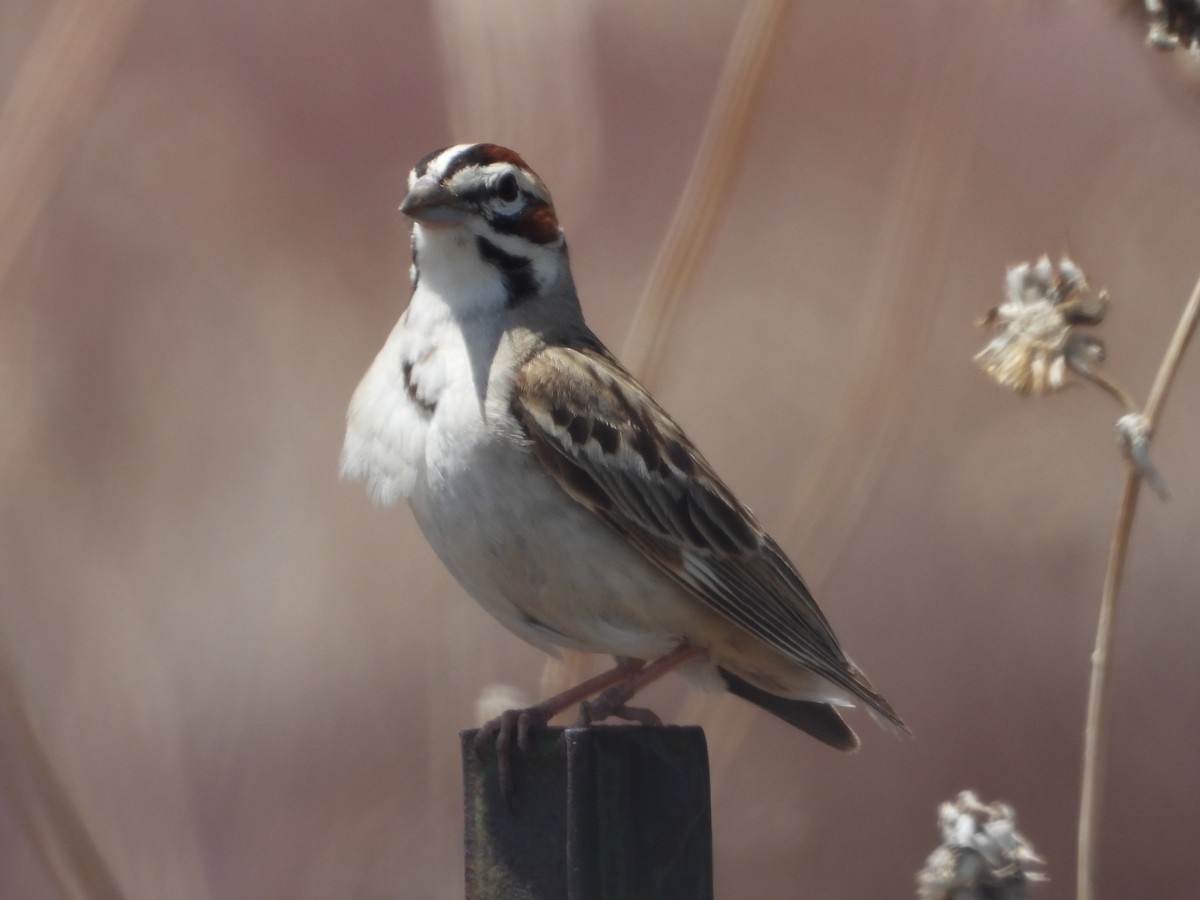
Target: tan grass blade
[[900, 300], [705, 197], [1087, 863], [709, 184], [531, 87], [56, 89], [44, 806]]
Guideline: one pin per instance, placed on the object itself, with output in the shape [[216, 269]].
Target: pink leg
[[612, 701], [524, 719]]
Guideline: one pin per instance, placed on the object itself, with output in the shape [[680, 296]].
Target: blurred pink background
[[250, 681]]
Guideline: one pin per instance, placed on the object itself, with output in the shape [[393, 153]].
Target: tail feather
[[881, 711], [818, 719]]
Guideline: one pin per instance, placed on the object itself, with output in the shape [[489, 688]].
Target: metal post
[[601, 813]]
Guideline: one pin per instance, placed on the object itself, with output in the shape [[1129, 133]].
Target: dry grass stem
[[705, 197], [1174, 355], [51, 101], [1093, 761], [706, 192], [498, 90], [48, 814], [917, 225], [57, 87]]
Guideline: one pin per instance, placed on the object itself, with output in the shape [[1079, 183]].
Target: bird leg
[[521, 720], [612, 701]]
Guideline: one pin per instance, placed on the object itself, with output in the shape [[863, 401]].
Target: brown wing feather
[[602, 437]]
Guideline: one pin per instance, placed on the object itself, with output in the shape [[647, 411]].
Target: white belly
[[543, 565], [534, 558]]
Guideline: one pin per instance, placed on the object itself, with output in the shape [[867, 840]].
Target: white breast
[[539, 562], [418, 379]]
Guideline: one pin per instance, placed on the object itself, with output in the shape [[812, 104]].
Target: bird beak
[[433, 204]]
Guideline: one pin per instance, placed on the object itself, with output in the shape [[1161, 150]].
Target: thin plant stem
[[709, 185], [1093, 757], [1093, 762], [45, 805], [1170, 364], [705, 197], [42, 118], [50, 103], [1109, 386]]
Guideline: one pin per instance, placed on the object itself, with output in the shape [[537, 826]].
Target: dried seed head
[[1174, 24], [1036, 340], [981, 856]]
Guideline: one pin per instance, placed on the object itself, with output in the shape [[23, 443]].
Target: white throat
[[450, 271]]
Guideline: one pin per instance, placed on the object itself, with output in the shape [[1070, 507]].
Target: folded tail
[[818, 719]]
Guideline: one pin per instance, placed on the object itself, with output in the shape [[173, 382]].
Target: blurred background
[[247, 682]]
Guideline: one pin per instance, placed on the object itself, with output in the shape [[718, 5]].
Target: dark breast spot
[[410, 388]]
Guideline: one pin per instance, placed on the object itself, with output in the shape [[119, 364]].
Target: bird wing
[[612, 448]]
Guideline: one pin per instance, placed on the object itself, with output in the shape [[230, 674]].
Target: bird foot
[[611, 704], [502, 728]]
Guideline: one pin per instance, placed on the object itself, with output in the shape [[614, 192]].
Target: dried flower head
[[1036, 341], [1174, 24], [982, 857]]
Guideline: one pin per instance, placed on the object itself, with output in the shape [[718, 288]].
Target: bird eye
[[507, 188]]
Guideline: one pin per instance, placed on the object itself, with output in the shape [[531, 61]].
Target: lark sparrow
[[556, 490]]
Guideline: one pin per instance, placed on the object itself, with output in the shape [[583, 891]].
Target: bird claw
[[611, 704], [502, 727], [622, 682], [638, 714]]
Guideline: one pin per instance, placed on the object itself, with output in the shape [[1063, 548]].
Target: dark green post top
[[600, 813]]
